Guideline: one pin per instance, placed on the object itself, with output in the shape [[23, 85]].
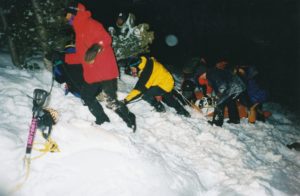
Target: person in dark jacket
[[155, 84], [227, 87], [100, 71], [190, 82], [255, 94], [70, 75]]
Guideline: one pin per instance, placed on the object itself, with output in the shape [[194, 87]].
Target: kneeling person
[[155, 85]]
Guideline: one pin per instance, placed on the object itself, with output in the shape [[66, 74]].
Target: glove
[[91, 53], [125, 101]]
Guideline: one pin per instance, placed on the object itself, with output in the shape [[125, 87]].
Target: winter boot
[[158, 106], [237, 121], [97, 110], [218, 117], [252, 114], [127, 116], [260, 116], [233, 112]]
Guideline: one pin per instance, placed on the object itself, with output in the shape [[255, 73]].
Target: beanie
[[201, 70], [122, 16], [134, 61], [72, 9]]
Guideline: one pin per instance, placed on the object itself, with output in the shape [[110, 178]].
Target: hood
[[82, 14]]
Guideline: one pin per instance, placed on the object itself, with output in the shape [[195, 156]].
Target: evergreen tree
[[130, 40], [27, 19]]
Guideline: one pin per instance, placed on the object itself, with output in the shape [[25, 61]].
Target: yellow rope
[[189, 102], [49, 146], [18, 186]]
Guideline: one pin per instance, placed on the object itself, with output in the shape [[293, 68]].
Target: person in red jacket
[[100, 70]]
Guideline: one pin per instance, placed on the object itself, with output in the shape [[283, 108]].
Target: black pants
[[233, 112], [89, 93], [245, 99], [167, 98]]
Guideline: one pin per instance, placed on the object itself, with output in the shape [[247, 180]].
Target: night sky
[[260, 32]]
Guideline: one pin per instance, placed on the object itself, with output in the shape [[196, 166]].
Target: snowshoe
[[252, 114]]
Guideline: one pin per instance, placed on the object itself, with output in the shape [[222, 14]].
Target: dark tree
[[36, 27]]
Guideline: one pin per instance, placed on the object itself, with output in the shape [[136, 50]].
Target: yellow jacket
[[151, 73]]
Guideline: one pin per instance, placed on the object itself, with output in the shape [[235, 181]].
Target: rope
[[49, 146], [188, 102], [18, 186]]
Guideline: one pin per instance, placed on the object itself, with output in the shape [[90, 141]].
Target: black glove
[[125, 101], [92, 52]]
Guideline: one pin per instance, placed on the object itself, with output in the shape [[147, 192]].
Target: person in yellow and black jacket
[[155, 84]]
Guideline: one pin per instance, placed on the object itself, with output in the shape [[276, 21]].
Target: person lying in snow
[[100, 70], [227, 87], [155, 85]]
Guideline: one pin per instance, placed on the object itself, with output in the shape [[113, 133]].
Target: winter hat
[[134, 61], [72, 9], [69, 49], [201, 70], [123, 16]]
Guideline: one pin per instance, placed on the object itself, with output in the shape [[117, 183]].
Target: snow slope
[[169, 155]]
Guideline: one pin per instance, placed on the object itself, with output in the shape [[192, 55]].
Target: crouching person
[[256, 93], [228, 88], [155, 85]]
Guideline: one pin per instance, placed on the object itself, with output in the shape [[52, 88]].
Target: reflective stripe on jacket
[[151, 73]]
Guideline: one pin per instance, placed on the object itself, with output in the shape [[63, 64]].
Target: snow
[[169, 155]]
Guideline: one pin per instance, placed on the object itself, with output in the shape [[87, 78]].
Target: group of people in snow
[[230, 84], [90, 68]]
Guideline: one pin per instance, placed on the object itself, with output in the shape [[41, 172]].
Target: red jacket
[[88, 32], [209, 89]]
